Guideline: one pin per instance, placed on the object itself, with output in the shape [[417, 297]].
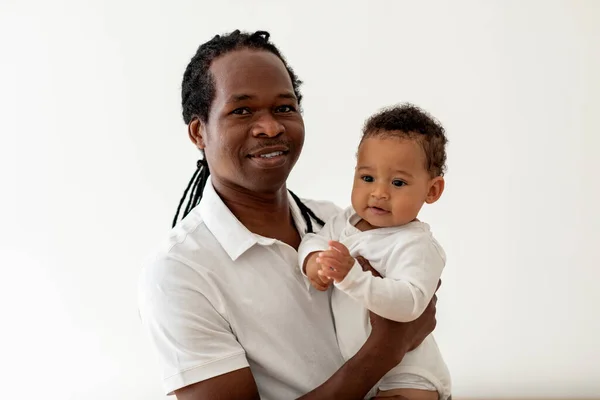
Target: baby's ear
[[436, 188]]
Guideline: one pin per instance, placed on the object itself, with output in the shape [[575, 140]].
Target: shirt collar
[[231, 234]]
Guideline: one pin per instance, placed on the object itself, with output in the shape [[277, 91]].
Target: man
[[224, 302]]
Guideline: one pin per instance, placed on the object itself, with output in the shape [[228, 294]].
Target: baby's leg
[[409, 386], [410, 394]]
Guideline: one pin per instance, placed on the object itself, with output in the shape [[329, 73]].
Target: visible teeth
[[270, 155]]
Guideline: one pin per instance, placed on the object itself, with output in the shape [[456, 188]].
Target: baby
[[400, 166]]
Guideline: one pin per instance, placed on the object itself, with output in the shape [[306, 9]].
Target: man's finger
[[363, 263], [367, 267]]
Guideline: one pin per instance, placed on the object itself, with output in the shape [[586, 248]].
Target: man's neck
[[265, 214]]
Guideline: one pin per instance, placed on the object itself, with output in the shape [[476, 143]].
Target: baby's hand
[[336, 262], [312, 268]]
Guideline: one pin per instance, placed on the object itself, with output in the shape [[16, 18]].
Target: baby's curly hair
[[410, 122]]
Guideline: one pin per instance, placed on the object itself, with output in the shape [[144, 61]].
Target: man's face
[[254, 133]]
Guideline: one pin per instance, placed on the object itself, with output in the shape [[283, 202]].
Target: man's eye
[[285, 109], [398, 183], [241, 111], [367, 178]]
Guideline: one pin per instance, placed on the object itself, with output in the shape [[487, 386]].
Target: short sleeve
[[193, 339]]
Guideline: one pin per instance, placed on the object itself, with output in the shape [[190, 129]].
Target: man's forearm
[[357, 376]]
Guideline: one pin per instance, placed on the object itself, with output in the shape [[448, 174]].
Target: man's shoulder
[[176, 256], [190, 237]]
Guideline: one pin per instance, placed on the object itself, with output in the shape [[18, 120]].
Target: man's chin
[[266, 182]]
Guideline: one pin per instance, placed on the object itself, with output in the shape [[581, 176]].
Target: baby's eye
[[398, 183], [367, 178]]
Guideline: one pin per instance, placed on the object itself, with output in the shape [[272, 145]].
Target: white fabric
[[411, 262], [218, 298]]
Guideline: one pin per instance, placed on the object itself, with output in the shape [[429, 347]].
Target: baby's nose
[[380, 193]]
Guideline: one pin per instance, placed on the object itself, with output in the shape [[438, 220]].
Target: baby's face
[[391, 181]]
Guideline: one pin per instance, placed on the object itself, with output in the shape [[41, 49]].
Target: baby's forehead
[[391, 149], [380, 154]]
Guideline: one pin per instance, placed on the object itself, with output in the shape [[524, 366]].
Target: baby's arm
[[313, 243], [312, 268], [337, 261], [412, 274]]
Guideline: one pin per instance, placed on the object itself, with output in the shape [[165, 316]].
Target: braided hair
[[197, 95]]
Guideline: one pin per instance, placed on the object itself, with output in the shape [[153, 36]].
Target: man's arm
[[188, 326], [386, 346], [238, 384], [358, 375], [344, 384], [202, 359]]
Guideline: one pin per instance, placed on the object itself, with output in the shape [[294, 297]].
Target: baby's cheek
[[404, 212]]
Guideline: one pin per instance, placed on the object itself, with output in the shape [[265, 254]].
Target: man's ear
[[436, 188], [197, 132]]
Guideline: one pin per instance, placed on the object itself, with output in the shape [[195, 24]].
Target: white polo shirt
[[218, 298]]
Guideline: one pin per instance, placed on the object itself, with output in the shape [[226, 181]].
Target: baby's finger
[[331, 253], [324, 280], [335, 275], [339, 247], [329, 262], [318, 285]]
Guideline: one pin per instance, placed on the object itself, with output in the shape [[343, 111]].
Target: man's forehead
[[244, 70], [238, 98]]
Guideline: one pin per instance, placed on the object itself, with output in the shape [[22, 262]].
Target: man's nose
[[267, 126]]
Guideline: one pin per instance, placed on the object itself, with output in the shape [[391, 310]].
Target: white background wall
[[94, 157]]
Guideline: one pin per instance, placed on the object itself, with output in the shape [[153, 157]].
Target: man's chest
[[265, 289], [270, 307]]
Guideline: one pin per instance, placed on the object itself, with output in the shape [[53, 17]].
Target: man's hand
[[335, 262], [312, 268]]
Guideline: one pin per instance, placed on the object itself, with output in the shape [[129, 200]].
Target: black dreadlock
[[197, 184], [198, 86], [197, 95], [307, 213]]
